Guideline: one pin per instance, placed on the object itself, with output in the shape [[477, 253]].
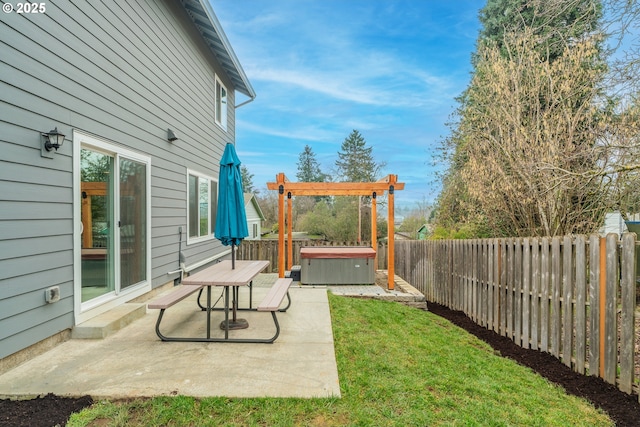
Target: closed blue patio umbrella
[[231, 218]]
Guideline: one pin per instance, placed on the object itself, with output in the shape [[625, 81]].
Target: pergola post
[[280, 182], [289, 232], [374, 227], [390, 241]]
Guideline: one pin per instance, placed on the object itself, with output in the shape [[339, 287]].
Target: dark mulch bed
[[51, 410], [624, 409], [43, 411]]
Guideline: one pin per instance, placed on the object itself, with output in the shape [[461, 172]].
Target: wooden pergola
[[289, 189]]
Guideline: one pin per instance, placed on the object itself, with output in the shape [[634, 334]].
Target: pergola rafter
[[288, 189]]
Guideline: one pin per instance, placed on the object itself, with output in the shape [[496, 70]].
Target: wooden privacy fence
[[573, 297], [268, 250]]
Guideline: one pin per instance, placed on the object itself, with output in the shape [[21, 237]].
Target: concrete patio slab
[[133, 362]]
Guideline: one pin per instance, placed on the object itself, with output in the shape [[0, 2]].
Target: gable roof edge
[[250, 197], [207, 23]]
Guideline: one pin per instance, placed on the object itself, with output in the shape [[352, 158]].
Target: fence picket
[[535, 294], [567, 301], [580, 306], [556, 261], [544, 299], [611, 318], [517, 283], [509, 287], [594, 305], [526, 292], [502, 304], [473, 280], [497, 259], [467, 278], [628, 306], [487, 276]]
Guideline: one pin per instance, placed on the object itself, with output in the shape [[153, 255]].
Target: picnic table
[[222, 274]]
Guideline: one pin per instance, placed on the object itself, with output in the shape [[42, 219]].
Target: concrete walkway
[[133, 362]]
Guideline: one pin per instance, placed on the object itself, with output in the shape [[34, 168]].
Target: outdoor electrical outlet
[[52, 294]]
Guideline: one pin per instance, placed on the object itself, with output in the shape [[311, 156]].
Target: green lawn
[[398, 366]]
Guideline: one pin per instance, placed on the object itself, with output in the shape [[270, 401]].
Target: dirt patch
[[43, 411], [624, 409]]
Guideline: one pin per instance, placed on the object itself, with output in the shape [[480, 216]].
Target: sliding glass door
[[114, 223]]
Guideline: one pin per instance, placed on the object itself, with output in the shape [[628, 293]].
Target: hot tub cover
[[337, 252]]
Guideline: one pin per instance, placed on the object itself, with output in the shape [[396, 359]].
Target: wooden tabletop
[[221, 274]]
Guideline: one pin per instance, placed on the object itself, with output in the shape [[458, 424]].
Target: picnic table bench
[[270, 303]]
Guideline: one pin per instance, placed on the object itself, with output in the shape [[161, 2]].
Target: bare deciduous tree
[[531, 125]]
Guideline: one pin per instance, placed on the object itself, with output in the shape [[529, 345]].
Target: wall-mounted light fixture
[[171, 136], [51, 140]]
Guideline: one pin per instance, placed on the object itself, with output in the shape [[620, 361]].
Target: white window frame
[[212, 180], [221, 104]]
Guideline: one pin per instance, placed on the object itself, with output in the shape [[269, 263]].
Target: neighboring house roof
[[207, 23], [249, 197]]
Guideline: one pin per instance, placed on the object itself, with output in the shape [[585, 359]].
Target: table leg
[[208, 312], [226, 312], [234, 302]]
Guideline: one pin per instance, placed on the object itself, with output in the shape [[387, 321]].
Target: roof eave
[[209, 27]]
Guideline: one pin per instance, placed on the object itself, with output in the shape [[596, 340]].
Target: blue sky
[[321, 68]]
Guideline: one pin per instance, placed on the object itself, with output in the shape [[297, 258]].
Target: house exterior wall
[[254, 222], [613, 223], [121, 70]]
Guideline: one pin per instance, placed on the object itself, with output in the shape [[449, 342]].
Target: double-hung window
[[202, 206], [221, 104]]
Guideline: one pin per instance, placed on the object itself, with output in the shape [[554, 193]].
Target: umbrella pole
[[233, 323], [233, 267]]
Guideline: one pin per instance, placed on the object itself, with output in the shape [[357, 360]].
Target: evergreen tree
[[555, 23], [247, 180], [355, 160], [308, 167]]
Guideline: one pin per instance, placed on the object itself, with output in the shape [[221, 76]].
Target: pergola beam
[[288, 189], [336, 188]]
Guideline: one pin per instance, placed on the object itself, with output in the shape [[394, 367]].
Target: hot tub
[[343, 265]]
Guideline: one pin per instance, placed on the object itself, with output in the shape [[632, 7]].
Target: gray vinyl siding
[[122, 70]]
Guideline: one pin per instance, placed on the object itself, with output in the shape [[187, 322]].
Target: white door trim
[[90, 309]]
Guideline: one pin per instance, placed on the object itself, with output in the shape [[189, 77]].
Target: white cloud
[[305, 133]]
